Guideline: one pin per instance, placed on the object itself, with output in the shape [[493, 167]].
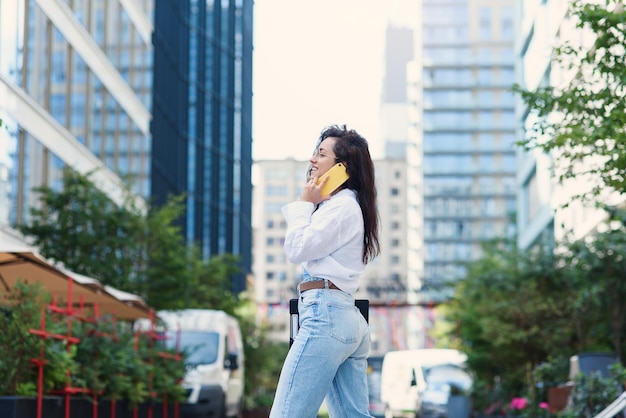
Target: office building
[[4, 194], [201, 129], [468, 134], [75, 90]]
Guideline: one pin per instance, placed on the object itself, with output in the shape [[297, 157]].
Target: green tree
[[510, 313], [141, 253], [264, 358], [585, 120], [596, 267], [20, 311], [84, 229], [213, 284], [515, 310]]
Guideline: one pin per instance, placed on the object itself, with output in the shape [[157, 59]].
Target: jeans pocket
[[344, 325]]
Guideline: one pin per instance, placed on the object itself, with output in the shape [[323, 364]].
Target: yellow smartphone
[[338, 176]]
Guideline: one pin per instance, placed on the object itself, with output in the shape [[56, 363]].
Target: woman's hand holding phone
[[312, 191], [321, 188]]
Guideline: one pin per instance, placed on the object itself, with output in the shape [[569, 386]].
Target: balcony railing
[[614, 408]]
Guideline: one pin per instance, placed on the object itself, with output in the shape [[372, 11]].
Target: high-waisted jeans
[[328, 358]]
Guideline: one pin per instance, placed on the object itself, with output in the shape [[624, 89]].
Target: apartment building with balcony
[[468, 130]]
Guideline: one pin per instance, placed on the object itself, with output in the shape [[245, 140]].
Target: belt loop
[[326, 284]]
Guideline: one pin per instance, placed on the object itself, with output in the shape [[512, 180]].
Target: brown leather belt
[[316, 284]]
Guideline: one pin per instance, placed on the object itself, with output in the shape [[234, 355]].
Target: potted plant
[[550, 378], [593, 392]]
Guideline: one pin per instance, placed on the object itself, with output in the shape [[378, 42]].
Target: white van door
[[234, 368]]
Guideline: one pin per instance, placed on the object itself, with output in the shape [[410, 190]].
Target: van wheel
[[222, 411], [239, 413]]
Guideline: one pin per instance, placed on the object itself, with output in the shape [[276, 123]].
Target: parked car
[[403, 379], [374, 367], [213, 353], [446, 392]]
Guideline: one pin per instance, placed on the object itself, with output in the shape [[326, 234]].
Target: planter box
[[258, 412], [26, 407], [80, 407]]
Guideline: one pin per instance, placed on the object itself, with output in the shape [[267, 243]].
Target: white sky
[[316, 63]]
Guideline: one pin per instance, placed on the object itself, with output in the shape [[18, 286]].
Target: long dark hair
[[352, 149]]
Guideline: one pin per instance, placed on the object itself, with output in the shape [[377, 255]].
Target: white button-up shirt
[[328, 242]]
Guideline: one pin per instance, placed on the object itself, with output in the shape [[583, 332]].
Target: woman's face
[[324, 158]]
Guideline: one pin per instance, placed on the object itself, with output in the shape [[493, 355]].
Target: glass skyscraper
[[468, 133], [202, 139], [76, 80]]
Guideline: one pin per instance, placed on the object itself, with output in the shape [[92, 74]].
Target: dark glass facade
[[202, 121]]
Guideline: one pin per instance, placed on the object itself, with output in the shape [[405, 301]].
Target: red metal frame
[[70, 340]]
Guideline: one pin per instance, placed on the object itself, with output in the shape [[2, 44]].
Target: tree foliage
[[584, 120], [596, 267], [509, 311], [142, 253], [264, 358], [21, 312], [516, 309]]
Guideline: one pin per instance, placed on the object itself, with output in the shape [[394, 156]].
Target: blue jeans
[[328, 358]]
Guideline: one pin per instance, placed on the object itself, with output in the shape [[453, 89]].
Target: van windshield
[[199, 347]]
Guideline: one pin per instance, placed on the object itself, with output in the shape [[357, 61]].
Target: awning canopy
[[27, 264]]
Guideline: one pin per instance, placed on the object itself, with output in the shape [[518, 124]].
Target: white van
[[403, 380], [214, 360]]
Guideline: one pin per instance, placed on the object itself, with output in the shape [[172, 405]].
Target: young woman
[[333, 237]]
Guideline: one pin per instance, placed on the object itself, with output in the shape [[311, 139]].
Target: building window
[[484, 21], [507, 23], [273, 207], [276, 191], [269, 275]]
